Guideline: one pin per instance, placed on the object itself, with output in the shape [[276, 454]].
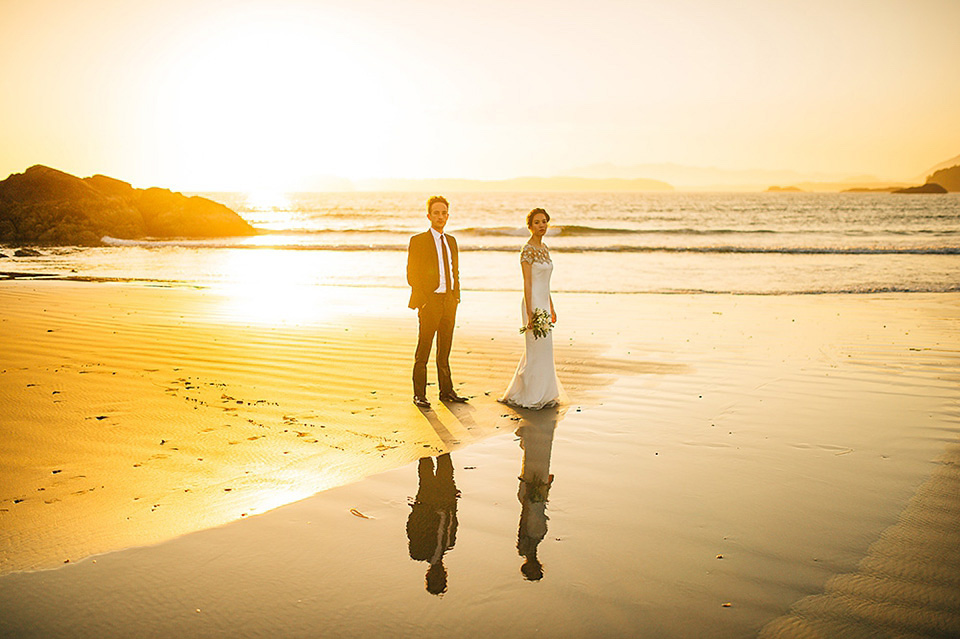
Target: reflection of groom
[[434, 278], [432, 525]]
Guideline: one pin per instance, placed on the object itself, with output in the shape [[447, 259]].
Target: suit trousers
[[437, 318]]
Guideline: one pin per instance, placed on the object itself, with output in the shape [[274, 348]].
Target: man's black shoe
[[421, 402], [452, 397]]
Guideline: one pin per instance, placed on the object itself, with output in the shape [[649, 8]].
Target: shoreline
[[171, 283]]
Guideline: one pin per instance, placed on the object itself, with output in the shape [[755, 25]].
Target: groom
[[434, 278]]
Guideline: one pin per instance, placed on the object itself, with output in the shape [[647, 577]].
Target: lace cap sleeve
[[533, 254]]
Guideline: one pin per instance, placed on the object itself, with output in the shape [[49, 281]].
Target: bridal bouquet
[[541, 324], [535, 490]]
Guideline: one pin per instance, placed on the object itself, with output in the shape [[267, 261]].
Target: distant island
[[929, 187], [784, 189], [45, 206], [945, 180]]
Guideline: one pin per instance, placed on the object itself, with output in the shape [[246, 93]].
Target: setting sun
[[256, 100]]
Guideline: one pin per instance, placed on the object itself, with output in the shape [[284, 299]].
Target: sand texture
[[908, 585], [725, 466], [136, 414]]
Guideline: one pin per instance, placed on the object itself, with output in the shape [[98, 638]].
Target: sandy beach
[[214, 216], [189, 461]]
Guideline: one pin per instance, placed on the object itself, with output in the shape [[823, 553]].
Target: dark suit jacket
[[423, 268]]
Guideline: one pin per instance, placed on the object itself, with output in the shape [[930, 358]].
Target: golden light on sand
[[293, 287], [264, 289]]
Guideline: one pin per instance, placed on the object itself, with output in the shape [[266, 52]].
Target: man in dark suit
[[434, 278]]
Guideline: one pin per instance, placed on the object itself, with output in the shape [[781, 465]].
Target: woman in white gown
[[535, 384]]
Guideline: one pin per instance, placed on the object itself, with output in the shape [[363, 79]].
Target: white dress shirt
[[437, 238]]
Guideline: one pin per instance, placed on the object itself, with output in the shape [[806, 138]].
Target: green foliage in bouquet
[[542, 324], [536, 490]]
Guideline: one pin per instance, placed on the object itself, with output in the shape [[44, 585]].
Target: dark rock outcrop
[[947, 178], [27, 252], [46, 206], [929, 187]]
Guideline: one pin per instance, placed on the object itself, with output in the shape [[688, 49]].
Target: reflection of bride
[[432, 525], [535, 382], [536, 439]]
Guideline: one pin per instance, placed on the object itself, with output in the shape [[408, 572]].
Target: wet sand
[[726, 466]]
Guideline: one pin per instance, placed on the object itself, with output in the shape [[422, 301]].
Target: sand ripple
[[909, 583]]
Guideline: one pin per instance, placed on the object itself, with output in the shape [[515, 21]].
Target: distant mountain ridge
[[521, 184], [946, 164], [47, 206], [712, 178], [948, 178]]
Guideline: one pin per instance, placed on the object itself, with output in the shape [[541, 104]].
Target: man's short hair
[[436, 198]]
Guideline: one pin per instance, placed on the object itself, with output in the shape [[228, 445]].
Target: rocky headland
[[44, 206]]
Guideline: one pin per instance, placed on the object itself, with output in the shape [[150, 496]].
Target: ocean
[[736, 243]]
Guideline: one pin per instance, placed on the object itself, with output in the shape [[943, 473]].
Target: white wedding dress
[[535, 384]]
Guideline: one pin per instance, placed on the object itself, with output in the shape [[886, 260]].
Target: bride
[[535, 384]]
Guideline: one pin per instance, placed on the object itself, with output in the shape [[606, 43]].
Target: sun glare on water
[[269, 211], [265, 200]]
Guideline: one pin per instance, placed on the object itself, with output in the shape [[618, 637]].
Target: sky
[[278, 94]]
